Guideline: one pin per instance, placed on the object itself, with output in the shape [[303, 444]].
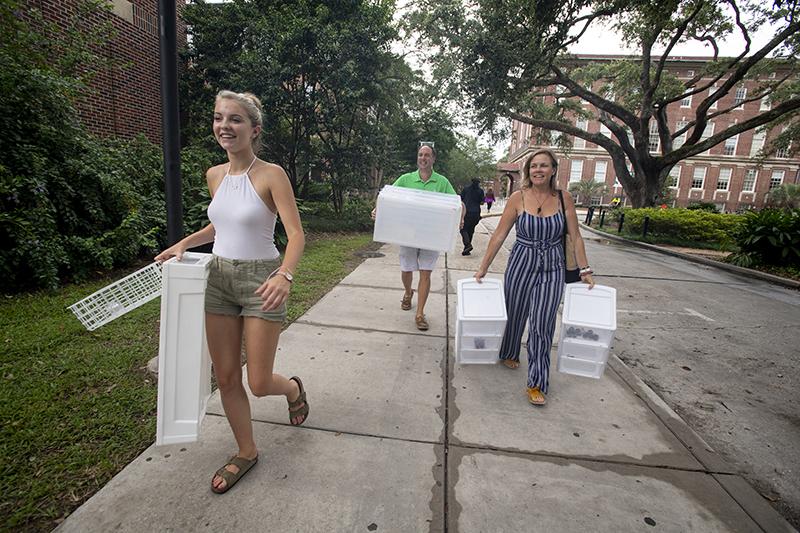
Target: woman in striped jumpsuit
[[534, 279]]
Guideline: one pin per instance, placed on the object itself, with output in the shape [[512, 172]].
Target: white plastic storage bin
[[420, 219], [588, 323], [481, 320], [580, 367], [184, 366]]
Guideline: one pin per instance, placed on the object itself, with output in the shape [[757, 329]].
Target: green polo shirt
[[436, 183]]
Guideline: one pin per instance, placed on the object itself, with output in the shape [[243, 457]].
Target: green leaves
[[770, 237]]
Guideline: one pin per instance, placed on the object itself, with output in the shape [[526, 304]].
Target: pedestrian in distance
[[489, 199], [416, 259], [248, 282], [472, 198], [534, 278]]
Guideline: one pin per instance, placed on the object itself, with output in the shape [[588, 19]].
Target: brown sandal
[[405, 303], [510, 363], [422, 324], [535, 396], [230, 478], [294, 411]]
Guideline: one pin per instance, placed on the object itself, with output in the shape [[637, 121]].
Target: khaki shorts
[[232, 284]]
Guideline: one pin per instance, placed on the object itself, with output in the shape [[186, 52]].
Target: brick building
[[125, 98], [726, 175]]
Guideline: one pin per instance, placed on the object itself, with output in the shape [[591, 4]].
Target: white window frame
[[759, 139], [575, 167], [675, 174], [681, 139], [726, 147], [604, 166], [582, 124], [702, 178], [740, 96], [750, 173], [726, 180], [775, 183], [708, 131], [766, 104], [687, 102], [653, 128], [711, 91], [604, 130]]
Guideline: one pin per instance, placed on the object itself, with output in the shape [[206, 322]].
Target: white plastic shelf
[[123, 296], [481, 320]]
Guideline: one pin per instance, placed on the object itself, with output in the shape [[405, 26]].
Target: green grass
[[77, 406]]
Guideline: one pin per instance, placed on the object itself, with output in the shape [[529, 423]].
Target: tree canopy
[[510, 59], [337, 102]]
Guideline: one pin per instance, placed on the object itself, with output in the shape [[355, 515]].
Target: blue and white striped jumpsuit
[[534, 284]]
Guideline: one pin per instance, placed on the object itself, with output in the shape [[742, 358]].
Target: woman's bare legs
[[261, 342], [224, 334]]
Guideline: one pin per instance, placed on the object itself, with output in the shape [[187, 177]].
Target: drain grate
[[369, 254]]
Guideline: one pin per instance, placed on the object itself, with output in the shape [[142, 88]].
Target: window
[[711, 91], [600, 171], [690, 74], [759, 137], [783, 152], [749, 183], [699, 177], [604, 130], [776, 180], [724, 180], [766, 104], [739, 97], [730, 145], [581, 123], [687, 102], [674, 178], [655, 142], [680, 139], [575, 170], [596, 200], [708, 131]]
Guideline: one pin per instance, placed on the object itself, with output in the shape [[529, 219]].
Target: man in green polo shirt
[[411, 259]]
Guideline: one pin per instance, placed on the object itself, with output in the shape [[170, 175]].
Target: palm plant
[[787, 196], [587, 189]]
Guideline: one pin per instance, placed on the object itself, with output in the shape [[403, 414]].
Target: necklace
[[540, 204]]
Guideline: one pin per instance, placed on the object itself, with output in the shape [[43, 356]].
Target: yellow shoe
[[535, 396]]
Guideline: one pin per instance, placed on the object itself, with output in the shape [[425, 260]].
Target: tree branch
[[688, 150], [593, 98]]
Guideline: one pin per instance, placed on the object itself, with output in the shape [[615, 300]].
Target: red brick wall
[[125, 98]]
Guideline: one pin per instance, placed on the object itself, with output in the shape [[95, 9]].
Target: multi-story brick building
[[125, 97], [727, 175]]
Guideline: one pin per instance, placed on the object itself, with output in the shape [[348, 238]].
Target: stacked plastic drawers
[[481, 320], [420, 219], [588, 323]]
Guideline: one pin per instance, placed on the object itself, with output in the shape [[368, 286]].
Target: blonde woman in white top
[[248, 282]]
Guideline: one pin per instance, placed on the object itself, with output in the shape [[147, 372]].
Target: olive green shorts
[[232, 284]]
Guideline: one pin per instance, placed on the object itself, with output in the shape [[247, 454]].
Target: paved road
[[721, 350]]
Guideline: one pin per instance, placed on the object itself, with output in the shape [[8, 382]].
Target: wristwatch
[[287, 275]]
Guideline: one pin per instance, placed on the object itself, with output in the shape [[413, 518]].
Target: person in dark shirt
[[472, 196]]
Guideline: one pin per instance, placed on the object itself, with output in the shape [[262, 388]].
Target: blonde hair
[[252, 105], [526, 169]]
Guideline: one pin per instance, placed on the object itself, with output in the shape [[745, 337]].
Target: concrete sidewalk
[[400, 438]]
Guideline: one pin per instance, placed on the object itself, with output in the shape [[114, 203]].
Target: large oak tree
[[509, 59]]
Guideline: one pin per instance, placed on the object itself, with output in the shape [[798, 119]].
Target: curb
[[751, 502], [748, 272]]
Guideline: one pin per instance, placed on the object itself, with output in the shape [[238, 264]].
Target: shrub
[[703, 206], [684, 224], [770, 237], [321, 216]]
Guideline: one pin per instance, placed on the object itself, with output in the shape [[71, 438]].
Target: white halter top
[[245, 226]]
